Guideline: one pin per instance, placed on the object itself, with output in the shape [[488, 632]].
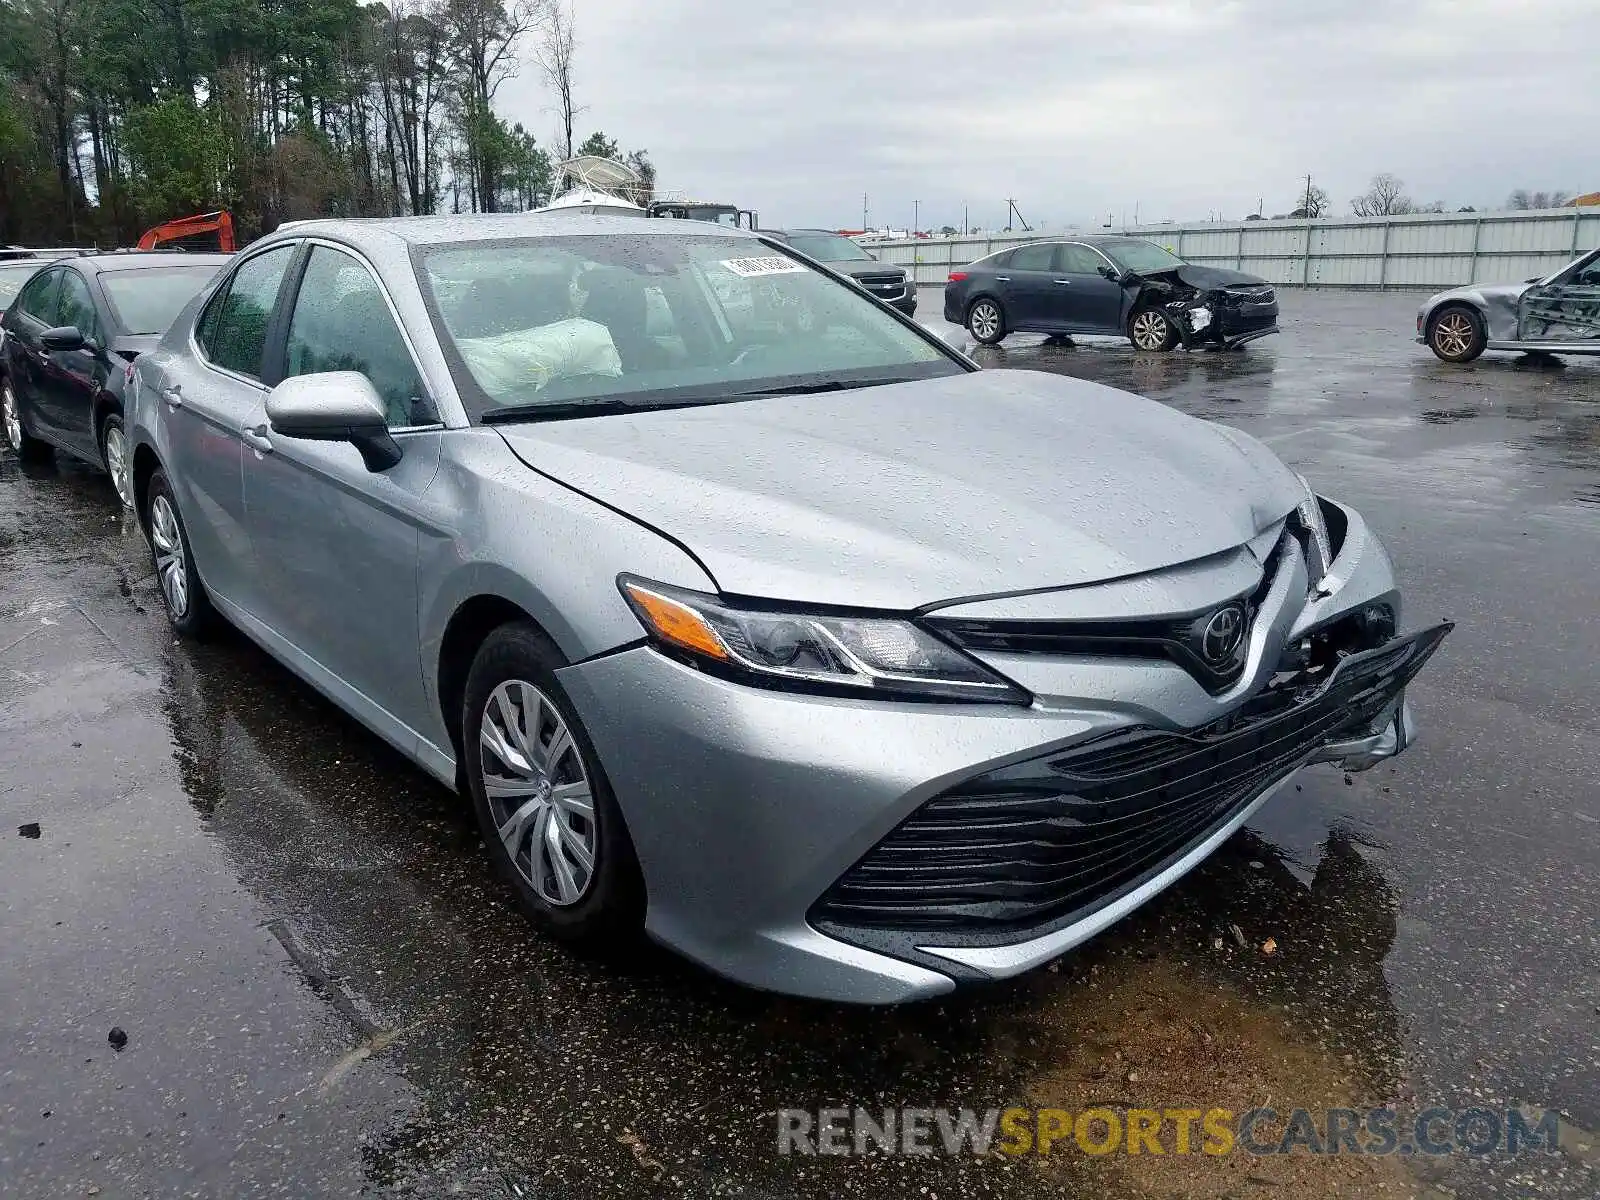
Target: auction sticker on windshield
[[773, 265]]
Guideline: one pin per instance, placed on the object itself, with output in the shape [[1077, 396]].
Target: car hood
[[904, 495], [855, 268], [1506, 292], [131, 345], [1206, 278]]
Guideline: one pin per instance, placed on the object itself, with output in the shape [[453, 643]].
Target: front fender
[[500, 529]]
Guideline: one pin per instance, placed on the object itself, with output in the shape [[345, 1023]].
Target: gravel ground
[[325, 994]]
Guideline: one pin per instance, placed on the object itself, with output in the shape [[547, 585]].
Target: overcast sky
[[1184, 107]]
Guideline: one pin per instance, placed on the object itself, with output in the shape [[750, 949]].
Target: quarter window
[[342, 322], [1032, 258], [233, 331]]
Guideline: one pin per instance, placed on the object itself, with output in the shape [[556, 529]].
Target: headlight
[[1320, 551], [880, 656]]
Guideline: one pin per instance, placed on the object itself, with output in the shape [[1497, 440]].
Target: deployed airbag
[[507, 365]]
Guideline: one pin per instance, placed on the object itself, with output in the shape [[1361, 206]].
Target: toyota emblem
[[1222, 635]]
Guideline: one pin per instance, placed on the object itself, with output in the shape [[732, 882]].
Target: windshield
[[12, 277], [652, 321], [827, 247], [1140, 256], [147, 299]]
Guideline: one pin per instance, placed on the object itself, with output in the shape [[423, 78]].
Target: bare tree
[[1313, 202], [1522, 198], [1385, 198], [555, 52]]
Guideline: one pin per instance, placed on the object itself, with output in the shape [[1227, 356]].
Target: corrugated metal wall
[[1423, 250]]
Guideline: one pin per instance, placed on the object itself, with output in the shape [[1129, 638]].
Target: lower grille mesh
[[1043, 840]]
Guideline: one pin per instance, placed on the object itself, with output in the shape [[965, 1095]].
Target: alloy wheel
[[1151, 331], [985, 320], [539, 792], [13, 419], [116, 451], [1453, 334], [171, 566]]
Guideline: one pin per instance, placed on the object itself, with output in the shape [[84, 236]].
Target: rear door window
[[233, 331], [1032, 258]]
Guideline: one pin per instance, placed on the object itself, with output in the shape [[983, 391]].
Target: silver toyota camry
[[744, 611]]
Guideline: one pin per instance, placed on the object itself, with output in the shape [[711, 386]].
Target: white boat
[[596, 185]]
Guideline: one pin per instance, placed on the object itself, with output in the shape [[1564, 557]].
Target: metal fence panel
[[1418, 250]]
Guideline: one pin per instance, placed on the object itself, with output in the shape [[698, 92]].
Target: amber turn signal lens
[[676, 624]]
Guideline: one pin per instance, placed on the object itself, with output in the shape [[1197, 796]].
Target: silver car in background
[[1557, 314], [745, 611]]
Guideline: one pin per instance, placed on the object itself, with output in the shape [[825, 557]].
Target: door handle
[[257, 439], [1064, 282], [173, 395], [1002, 279]]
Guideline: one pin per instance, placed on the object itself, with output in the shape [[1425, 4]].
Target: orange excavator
[[204, 231]]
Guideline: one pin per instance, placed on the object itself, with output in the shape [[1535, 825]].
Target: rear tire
[[1456, 333], [184, 596], [27, 447], [1151, 330], [552, 827], [986, 320]]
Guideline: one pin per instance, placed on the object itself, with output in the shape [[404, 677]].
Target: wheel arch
[[105, 402], [146, 462], [470, 623]]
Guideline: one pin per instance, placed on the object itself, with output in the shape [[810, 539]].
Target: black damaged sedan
[[1120, 286]]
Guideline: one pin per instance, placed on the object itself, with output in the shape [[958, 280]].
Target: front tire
[[114, 453], [28, 448], [188, 607], [986, 321], [1456, 333], [1151, 330], [548, 816]]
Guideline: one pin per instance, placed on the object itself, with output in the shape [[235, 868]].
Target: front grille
[[1040, 844], [1250, 296], [888, 287], [1179, 639]]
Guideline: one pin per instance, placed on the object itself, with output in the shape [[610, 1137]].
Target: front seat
[[495, 306], [616, 300]]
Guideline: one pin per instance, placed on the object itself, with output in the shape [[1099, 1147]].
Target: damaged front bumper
[[1203, 321]]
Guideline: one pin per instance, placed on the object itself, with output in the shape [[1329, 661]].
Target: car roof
[[384, 232], [136, 259]]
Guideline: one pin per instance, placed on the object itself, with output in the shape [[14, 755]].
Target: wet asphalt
[[325, 993]]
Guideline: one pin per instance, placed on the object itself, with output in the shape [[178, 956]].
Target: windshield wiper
[[561, 412], [832, 385]]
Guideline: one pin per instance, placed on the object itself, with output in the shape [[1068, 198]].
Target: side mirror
[[62, 338], [335, 406], [1534, 279], [1110, 273]]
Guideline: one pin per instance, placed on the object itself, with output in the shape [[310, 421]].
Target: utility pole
[[916, 215], [966, 222], [1306, 207], [1011, 208], [864, 226]]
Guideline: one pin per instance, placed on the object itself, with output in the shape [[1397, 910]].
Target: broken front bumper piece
[[1204, 323]]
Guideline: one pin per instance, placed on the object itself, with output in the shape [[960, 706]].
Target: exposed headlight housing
[[885, 657], [1319, 549]]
